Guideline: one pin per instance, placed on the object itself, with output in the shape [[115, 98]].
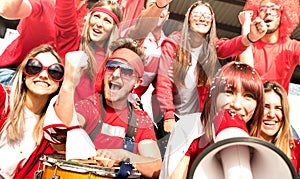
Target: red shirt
[[34, 30], [115, 124]]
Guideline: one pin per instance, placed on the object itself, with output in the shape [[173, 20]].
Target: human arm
[[67, 32], [76, 62], [182, 168], [148, 161], [15, 9], [235, 46], [164, 85], [245, 20], [148, 18]]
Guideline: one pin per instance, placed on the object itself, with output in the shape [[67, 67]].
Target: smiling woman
[[232, 107], [38, 78], [276, 126]]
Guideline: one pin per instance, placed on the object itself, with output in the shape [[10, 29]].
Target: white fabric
[[12, 155], [115, 131], [187, 129], [79, 144], [230, 133]]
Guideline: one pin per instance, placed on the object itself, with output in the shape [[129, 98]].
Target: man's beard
[[270, 31]]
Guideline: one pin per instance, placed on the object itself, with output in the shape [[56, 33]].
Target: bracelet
[[249, 39], [161, 7]]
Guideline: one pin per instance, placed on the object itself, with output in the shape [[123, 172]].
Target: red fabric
[[230, 48], [90, 109], [131, 10], [224, 120], [86, 87], [3, 100], [295, 153], [276, 61], [34, 30], [194, 150], [68, 39], [32, 164]]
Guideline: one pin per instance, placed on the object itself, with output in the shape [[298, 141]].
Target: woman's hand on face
[[75, 63]]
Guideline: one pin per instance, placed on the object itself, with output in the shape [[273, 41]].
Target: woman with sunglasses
[[232, 108], [36, 17], [38, 79], [275, 126]]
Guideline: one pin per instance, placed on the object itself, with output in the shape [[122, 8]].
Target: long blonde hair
[[87, 45], [14, 125], [207, 59]]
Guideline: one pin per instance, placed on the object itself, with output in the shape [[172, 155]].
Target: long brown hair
[[14, 125], [207, 59], [86, 43], [234, 74], [284, 135]]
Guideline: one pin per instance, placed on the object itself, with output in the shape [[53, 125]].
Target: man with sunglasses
[[118, 130], [275, 55]]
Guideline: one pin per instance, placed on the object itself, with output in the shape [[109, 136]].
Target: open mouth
[[114, 86], [41, 84]]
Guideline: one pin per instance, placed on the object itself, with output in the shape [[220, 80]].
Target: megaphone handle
[[236, 162]]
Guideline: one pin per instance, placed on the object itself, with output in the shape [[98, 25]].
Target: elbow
[[151, 170]]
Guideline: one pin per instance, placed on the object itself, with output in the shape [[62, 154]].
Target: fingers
[[169, 125]]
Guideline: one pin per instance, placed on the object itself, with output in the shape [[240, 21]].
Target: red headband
[[108, 12], [130, 57]]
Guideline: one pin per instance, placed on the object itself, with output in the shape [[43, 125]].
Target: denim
[[6, 75]]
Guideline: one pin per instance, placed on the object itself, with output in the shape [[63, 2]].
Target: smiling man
[[275, 55]]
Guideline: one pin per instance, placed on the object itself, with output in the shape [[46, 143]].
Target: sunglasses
[[126, 70], [273, 9], [34, 67], [206, 16]]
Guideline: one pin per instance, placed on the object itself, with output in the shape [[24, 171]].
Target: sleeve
[[145, 127], [230, 48], [54, 129], [67, 30], [164, 85]]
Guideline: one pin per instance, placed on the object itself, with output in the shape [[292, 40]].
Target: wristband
[[161, 7], [249, 39]]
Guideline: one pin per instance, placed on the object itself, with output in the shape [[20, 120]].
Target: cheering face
[[272, 115], [43, 74], [201, 19], [119, 80], [242, 102], [100, 27], [271, 14]]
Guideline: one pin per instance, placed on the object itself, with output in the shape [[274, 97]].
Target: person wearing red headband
[[275, 55], [36, 27], [118, 130]]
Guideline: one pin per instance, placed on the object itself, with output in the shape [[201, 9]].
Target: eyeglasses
[[34, 67], [198, 15], [273, 9], [126, 70]]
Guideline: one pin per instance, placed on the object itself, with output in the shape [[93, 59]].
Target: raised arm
[[75, 63], [148, 18], [15, 9]]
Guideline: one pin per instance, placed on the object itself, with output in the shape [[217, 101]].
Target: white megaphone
[[266, 161]]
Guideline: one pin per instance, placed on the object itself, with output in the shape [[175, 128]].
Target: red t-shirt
[[34, 30], [115, 124]]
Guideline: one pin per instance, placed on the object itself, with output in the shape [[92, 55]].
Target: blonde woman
[[38, 78]]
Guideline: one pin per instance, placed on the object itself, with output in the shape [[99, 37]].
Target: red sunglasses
[[34, 67]]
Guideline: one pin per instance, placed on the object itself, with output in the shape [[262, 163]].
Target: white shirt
[[12, 155]]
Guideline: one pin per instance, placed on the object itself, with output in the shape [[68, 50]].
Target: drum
[[55, 167]]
